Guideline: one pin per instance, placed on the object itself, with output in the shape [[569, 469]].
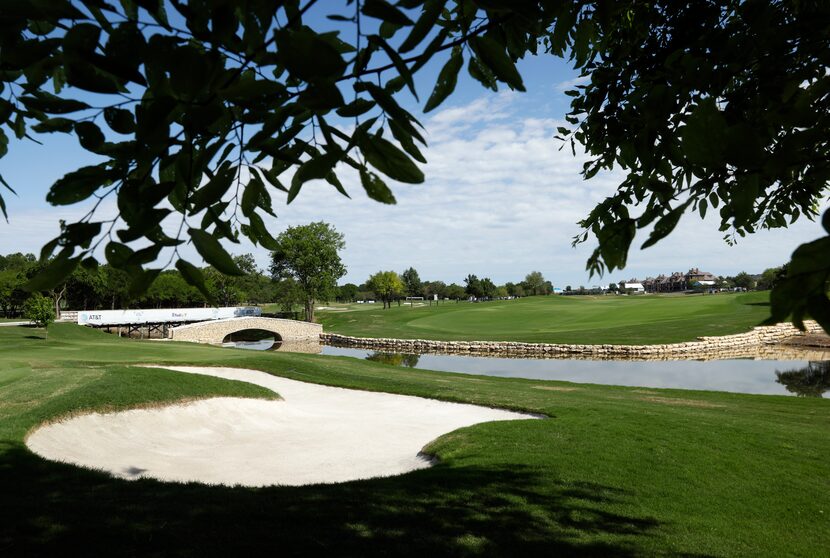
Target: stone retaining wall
[[757, 343]]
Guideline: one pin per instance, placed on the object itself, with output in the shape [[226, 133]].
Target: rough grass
[[609, 474], [628, 320]]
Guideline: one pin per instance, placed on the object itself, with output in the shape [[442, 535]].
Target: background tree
[[387, 286], [771, 277], [288, 295], [12, 294], [309, 254], [434, 288], [412, 282], [488, 288], [472, 286], [703, 105], [40, 310], [743, 280], [347, 292], [534, 282], [455, 292]]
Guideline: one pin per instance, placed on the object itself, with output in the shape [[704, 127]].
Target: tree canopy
[[387, 286], [309, 254], [201, 111]]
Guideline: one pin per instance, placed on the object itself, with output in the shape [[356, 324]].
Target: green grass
[[629, 320], [613, 471]]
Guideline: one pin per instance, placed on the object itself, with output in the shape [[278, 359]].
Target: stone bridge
[[215, 331]]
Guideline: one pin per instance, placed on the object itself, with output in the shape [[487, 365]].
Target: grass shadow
[[51, 508]]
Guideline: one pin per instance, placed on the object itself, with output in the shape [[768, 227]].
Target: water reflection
[[735, 375], [307, 347], [395, 359], [811, 381]]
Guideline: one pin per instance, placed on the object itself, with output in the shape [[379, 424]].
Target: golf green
[[632, 320]]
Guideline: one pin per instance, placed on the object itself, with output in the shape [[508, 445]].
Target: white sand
[[316, 434]]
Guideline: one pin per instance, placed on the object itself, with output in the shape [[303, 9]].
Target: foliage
[[412, 282], [743, 280], [387, 286], [472, 286], [347, 292], [455, 292], [706, 105], [39, 310], [203, 114], [534, 283], [12, 294], [309, 254], [771, 277]]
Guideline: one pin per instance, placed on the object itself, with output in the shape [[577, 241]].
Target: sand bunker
[[316, 434]]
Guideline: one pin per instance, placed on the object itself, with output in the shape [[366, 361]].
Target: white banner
[[163, 315]]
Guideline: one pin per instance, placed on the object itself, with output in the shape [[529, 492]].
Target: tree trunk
[[309, 310]]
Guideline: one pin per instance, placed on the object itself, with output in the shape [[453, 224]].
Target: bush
[[39, 310]]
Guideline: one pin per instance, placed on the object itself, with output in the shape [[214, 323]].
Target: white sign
[[164, 315]]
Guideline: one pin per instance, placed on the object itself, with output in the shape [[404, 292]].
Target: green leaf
[[376, 188], [494, 57], [118, 254], [52, 104], [296, 48], [213, 253], [120, 120], [447, 80], [141, 280], [90, 136], [431, 12], [481, 74], [78, 185], [399, 63], [195, 278], [261, 232], [57, 124], [382, 10], [702, 138], [53, 274], [316, 168], [391, 161], [665, 225], [213, 191], [356, 108]]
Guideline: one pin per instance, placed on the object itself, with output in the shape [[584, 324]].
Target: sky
[[502, 198]]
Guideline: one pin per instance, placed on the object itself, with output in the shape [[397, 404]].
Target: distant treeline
[[104, 287]]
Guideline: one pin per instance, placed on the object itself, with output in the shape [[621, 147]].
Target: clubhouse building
[[676, 282]]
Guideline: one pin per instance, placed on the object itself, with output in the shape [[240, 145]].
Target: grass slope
[[627, 320], [613, 471]]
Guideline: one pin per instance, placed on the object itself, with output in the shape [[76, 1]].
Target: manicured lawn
[[612, 472], [629, 320]]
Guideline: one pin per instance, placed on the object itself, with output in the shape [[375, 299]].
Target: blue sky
[[500, 199]]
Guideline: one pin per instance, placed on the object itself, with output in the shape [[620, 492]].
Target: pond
[[771, 377]]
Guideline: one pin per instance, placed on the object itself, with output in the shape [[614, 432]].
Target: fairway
[[624, 320], [610, 471]]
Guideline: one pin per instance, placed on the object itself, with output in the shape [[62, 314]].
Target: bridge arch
[[215, 331]]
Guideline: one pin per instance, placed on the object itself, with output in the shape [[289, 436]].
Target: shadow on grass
[[50, 508]]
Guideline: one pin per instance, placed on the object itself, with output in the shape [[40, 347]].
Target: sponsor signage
[[164, 315]]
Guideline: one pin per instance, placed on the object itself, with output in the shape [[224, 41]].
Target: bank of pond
[[799, 373]]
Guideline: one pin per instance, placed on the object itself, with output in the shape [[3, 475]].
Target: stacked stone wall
[[760, 342]]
